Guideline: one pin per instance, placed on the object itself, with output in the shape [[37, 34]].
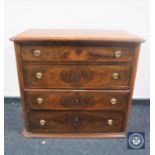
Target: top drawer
[[77, 53]]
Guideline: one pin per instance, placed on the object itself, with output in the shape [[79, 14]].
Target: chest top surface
[[76, 35]]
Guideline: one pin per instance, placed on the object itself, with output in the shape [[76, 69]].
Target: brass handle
[[37, 53], [118, 54], [115, 76], [76, 119], [39, 100], [110, 121], [113, 100], [42, 122], [39, 75]]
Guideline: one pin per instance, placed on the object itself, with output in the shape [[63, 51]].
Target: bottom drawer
[[75, 121]]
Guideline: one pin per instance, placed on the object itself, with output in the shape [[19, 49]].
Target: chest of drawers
[[76, 83]]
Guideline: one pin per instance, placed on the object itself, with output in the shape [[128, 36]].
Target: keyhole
[[76, 101], [76, 119]]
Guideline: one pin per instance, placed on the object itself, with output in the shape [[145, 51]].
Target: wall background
[[130, 15]]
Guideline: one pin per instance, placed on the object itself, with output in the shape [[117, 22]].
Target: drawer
[[77, 53], [77, 76], [75, 121], [74, 100]]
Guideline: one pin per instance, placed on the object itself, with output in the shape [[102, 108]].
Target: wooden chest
[[76, 83]]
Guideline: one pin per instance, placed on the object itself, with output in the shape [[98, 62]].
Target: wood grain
[[132, 82], [21, 83], [77, 76], [45, 35], [75, 100], [65, 121], [77, 53]]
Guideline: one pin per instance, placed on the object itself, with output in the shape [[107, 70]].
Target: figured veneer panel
[[91, 54], [76, 100], [77, 76], [75, 121]]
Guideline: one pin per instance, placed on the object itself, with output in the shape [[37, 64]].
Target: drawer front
[[77, 76], [75, 121], [77, 53], [73, 100]]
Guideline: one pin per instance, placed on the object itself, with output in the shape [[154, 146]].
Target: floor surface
[[16, 144]]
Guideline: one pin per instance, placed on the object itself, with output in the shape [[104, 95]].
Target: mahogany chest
[[76, 83]]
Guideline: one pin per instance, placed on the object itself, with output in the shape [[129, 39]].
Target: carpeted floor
[[16, 144]]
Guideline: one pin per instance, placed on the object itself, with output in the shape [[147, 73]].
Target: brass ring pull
[[113, 101], [39, 75], [42, 122], [118, 54], [37, 53], [115, 76], [110, 121], [39, 100]]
